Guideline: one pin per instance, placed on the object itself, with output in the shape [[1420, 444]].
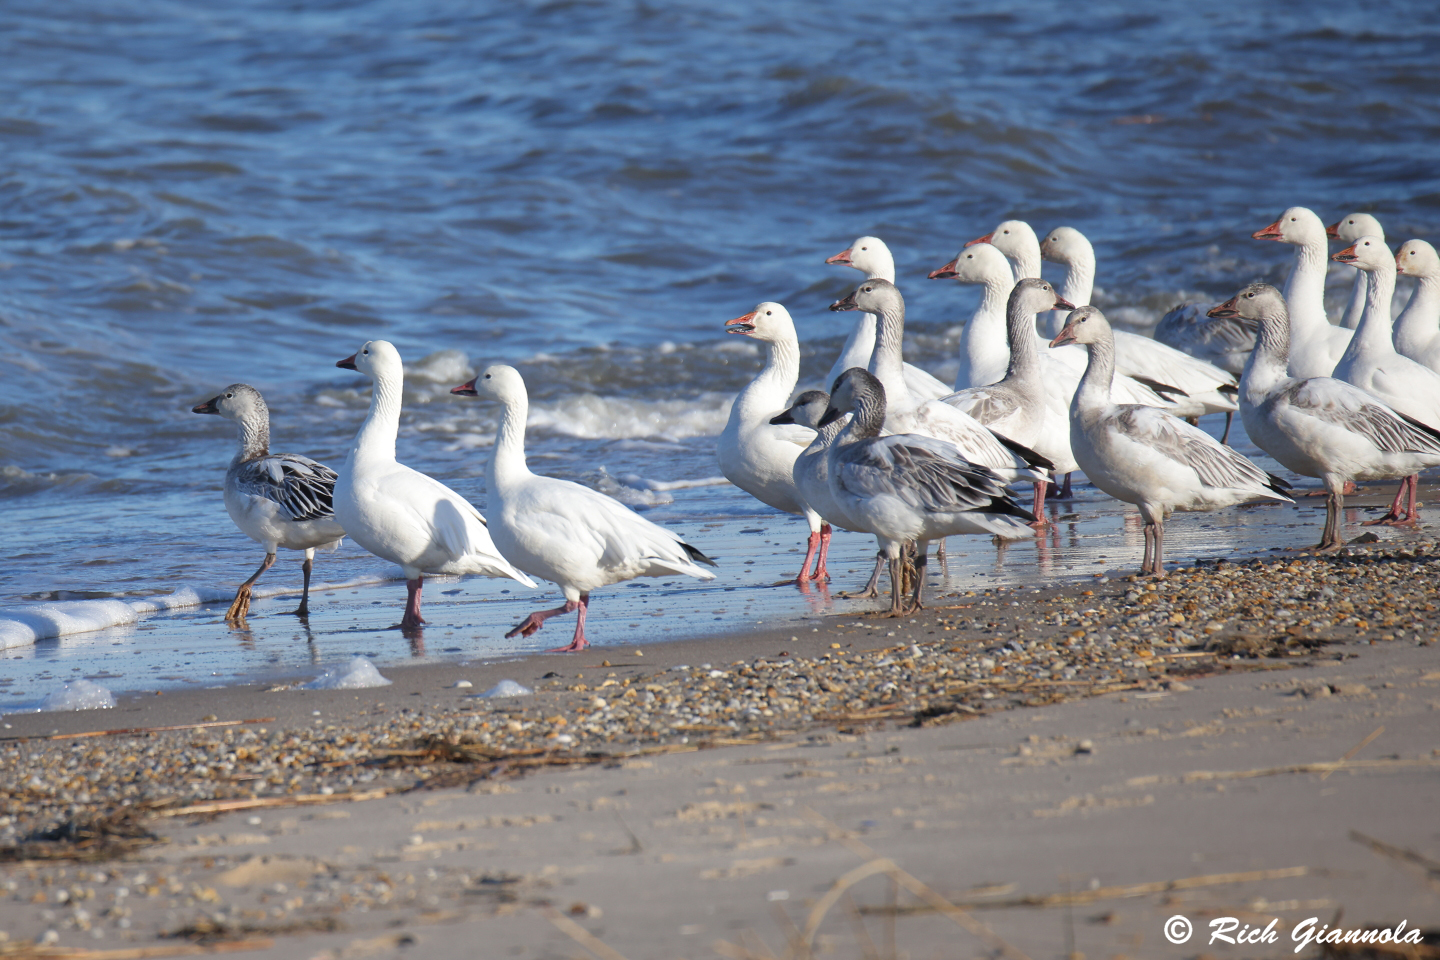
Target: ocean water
[[195, 194]]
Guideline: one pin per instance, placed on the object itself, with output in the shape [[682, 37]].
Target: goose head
[[869, 255], [1367, 253], [1011, 236], [1298, 225], [239, 402], [1084, 325], [1031, 296], [376, 359], [769, 322], [977, 263], [1258, 301], [1064, 245], [1355, 226], [498, 382], [807, 410], [873, 296], [1416, 258], [853, 389]]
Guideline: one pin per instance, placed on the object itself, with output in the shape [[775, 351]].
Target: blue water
[[193, 194]]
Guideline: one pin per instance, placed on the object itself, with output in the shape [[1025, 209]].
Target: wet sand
[[1006, 744]]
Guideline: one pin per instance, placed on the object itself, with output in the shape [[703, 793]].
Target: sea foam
[[78, 695], [358, 674]]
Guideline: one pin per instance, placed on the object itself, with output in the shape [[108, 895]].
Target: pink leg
[[820, 572], [1413, 516], [412, 618], [1394, 517], [1039, 510], [811, 546], [532, 624], [579, 643]]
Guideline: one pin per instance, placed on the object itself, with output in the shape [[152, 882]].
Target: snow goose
[[400, 514], [1417, 329], [1145, 456], [1014, 406], [1010, 460], [754, 454], [812, 474], [1320, 426], [1371, 363], [276, 499], [1223, 341], [1204, 388], [1315, 345], [909, 488], [872, 257], [1017, 241], [575, 537], [1348, 230]]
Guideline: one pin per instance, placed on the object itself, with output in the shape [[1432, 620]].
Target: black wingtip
[[1164, 389], [1024, 452], [696, 555]]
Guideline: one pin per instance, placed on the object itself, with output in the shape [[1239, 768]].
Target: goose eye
[[487, 376], [229, 396], [366, 352], [864, 248], [969, 256], [768, 312], [1007, 233]]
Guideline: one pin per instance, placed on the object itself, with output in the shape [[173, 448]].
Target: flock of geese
[[895, 453]]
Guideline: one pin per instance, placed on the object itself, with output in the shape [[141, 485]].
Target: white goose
[[1348, 230], [872, 257], [400, 514], [1417, 329], [276, 499], [1021, 247], [1372, 364], [903, 414], [1320, 426], [573, 536], [1206, 388], [908, 488], [755, 454], [1315, 345], [1015, 405], [1145, 456]]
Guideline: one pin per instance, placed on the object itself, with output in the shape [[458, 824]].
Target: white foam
[[507, 688], [593, 417], [358, 674], [78, 695], [23, 626]]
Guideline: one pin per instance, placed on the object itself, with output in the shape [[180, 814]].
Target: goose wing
[[1340, 404], [303, 488], [1214, 463], [923, 472]]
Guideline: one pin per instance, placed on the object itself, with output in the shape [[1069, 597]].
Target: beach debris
[[506, 688], [462, 685], [358, 674], [78, 695]]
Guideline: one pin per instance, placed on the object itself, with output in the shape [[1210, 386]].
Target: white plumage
[[1315, 344], [276, 499], [1348, 230], [400, 514], [1417, 329], [573, 536]]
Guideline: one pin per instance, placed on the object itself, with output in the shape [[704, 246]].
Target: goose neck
[[376, 439], [1416, 327], [1079, 282], [858, 349], [1376, 330], [1024, 353], [507, 460], [1268, 361], [770, 390], [254, 439], [1305, 287], [1094, 390]]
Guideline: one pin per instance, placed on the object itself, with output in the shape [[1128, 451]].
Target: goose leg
[[1145, 561], [1065, 493], [536, 620], [240, 606], [1040, 522], [820, 572], [579, 642], [1413, 514], [812, 544], [1395, 517], [896, 585], [922, 557], [412, 619], [1157, 561], [1225, 437], [304, 609], [1330, 539], [872, 586]]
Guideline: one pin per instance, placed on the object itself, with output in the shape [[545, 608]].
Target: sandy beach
[[1058, 772]]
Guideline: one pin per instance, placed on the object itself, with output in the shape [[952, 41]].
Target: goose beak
[[842, 257], [1062, 304], [347, 364], [742, 325], [1399, 262], [1333, 231], [831, 415], [1271, 232], [782, 418], [985, 239], [1066, 335], [1225, 311], [207, 407], [1348, 255], [947, 272], [847, 304], [466, 389]]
